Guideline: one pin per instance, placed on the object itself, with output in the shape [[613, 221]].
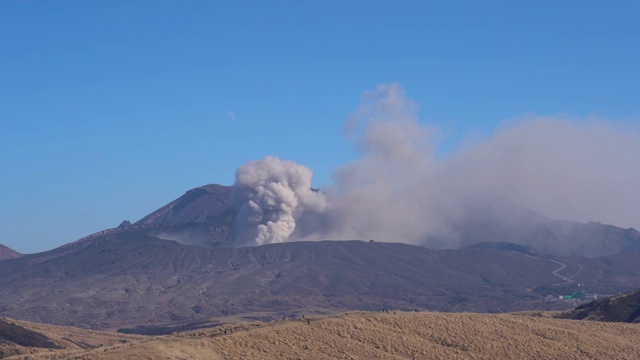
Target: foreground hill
[[118, 282], [7, 253], [22, 337], [394, 336], [621, 308]]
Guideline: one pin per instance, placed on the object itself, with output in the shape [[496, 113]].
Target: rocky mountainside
[[203, 204], [621, 308], [114, 281], [7, 253]]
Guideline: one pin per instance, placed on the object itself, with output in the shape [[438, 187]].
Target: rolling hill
[[396, 335], [21, 338], [621, 308]]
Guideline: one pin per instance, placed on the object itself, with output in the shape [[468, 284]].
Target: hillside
[[14, 338], [21, 337], [118, 282], [397, 335], [513, 224], [7, 253], [621, 308]]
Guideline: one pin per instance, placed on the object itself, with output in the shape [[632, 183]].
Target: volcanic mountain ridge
[[206, 216], [7, 253]]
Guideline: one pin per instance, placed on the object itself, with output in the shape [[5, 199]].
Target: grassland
[[402, 335]]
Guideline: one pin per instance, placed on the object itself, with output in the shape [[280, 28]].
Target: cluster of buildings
[[582, 295]]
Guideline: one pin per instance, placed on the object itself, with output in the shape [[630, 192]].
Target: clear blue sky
[[110, 109]]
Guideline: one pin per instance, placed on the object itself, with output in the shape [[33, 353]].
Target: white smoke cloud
[[270, 195], [573, 169], [399, 191], [391, 193]]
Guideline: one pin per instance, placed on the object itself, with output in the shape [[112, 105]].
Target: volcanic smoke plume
[[270, 195], [400, 191]]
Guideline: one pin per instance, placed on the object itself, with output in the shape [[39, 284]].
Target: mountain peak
[[7, 253], [200, 204]]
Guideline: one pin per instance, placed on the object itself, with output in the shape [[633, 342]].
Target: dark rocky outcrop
[[620, 308]]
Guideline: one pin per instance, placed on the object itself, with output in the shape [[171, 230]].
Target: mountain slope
[[7, 253], [202, 204], [48, 341], [114, 282], [621, 308], [124, 283], [513, 224]]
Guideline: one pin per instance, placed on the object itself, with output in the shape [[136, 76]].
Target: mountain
[[203, 204], [7, 253], [505, 246], [112, 281], [556, 237], [494, 221], [180, 266], [205, 216], [202, 216], [621, 308]]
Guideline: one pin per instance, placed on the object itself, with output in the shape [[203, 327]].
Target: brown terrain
[[7, 253], [621, 308], [22, 337], [392, 335]]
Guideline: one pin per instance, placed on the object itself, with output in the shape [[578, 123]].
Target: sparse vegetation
[[389, 335], [622, 308], [166, 330], [15, 334]]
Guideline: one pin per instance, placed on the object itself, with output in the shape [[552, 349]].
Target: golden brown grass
[[71, 339], [395, 336]]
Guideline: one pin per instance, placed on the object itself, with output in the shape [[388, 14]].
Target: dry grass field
[[69, 339], [401, 335]]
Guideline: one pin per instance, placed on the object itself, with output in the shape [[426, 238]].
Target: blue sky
[[111, 109]]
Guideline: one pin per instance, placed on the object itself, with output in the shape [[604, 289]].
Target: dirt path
[[567, 280]]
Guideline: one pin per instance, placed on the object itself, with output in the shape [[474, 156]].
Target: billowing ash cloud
[[392, 192], [270, 195], [398, 190]]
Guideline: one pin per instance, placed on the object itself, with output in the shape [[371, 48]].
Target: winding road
[[567, 280]]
